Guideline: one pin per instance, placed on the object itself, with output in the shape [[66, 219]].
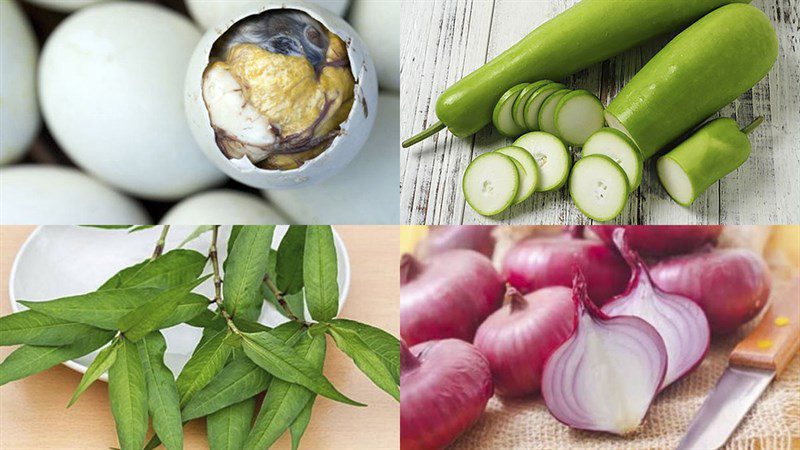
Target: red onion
[[444, 388], [662, 240], [518, 337], [731, 285], [450, 237], [447, 296], [679, 321], [540, 262], [605, 376]]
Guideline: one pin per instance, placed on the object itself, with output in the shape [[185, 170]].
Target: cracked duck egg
[[281, 97]]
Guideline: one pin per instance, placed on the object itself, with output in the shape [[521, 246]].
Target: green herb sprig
[[236, 360]]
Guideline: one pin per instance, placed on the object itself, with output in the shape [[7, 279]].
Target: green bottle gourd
[[589, 32], [704, 68], [714, 151]]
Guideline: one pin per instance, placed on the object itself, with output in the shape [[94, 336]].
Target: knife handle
[[774, 342]]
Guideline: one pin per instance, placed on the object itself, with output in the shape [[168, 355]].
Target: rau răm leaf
[[127, 391], [102, 362], [284, 401], [366, 359], [228, 428], [289, 267], [244, 271], [320, 273], [34, 328], [283, 362], [162, 392], [151, 315], [29, 359]]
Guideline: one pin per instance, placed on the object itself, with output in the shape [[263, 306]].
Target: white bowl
[[58, 261]]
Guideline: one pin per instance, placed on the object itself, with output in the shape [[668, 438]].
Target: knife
[[753, 364]]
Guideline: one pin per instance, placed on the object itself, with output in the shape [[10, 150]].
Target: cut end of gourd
[[675, 181], [614, 123]]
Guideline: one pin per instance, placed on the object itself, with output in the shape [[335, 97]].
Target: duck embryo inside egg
[[277, 88]]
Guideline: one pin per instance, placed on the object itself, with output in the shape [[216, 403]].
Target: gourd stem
[[428, 132], [753, 125]]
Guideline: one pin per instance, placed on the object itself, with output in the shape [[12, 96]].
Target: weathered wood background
[[444, 40]]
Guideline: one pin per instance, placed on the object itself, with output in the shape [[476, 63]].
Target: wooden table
[[33, 412], [448, 39]]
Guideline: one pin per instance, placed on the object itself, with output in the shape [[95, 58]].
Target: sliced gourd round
[[535, 102], [552, 159], [619, 147], [503, 115], [522, 99], [598, 187], [578, 115], [528, 172], [547, 112], [491, 183]]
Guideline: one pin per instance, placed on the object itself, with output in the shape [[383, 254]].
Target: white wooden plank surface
[[443, 40]]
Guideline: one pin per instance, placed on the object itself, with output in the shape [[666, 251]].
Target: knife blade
[[753, 364]]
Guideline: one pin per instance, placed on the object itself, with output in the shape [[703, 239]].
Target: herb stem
[[281, 299], [214, 257], [160, 244]]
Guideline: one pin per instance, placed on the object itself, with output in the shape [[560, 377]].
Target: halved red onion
[[518, 338], [444, 388], [605, 376], [447, 295], [680, 322]]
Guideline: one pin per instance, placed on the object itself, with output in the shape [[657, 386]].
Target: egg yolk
[[287, 91]]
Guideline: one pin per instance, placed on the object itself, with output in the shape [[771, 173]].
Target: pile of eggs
[[127, 136]]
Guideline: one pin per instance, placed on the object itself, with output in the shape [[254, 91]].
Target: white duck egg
[[63, 5], [211, 12], [378, 23], [111, 88], [43, 195], [282, 96], [223, 207], [19, 112], [366, 192]]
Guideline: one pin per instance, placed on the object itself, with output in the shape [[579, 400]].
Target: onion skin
[[442, 238], [444, 388], [447, 296], [541, 262], [518, 338], [586, 382], [681, 323], [731, 285], [662, 240]]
